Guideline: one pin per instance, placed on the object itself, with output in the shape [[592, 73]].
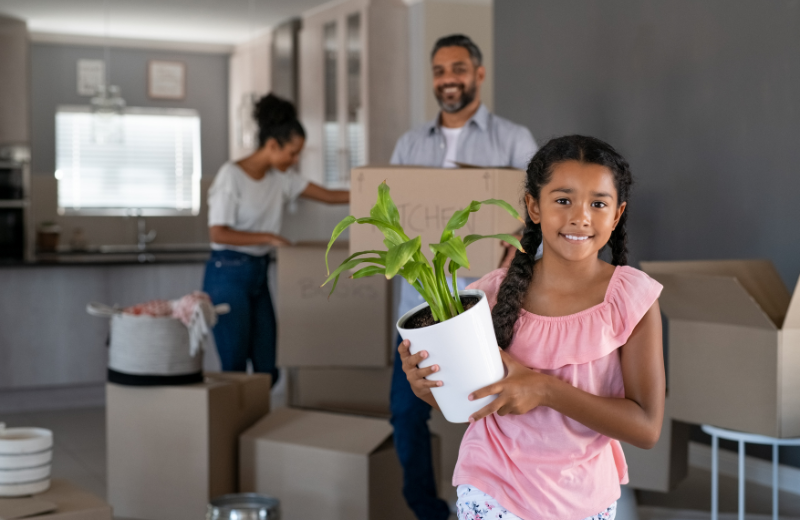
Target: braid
[[619, 242], [515, 285], [517, 282]]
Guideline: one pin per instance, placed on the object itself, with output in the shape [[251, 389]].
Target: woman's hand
[[519, 392], [415, 375], [277, 240]]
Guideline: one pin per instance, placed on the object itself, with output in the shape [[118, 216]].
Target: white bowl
[[24, 475], [24, 440], [26, 460], [21, 490]]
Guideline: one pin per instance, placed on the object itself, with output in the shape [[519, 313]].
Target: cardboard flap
[[792, 320], [14, 508], [716, 299], [347, 433], [758, 278]]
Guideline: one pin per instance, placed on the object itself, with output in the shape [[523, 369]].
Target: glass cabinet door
[[344, 139], [331, 126], [356, 145]]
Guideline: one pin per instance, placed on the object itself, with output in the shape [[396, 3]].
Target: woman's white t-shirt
[[242, 203]]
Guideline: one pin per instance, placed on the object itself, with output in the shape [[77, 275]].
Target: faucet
[[144, 236]]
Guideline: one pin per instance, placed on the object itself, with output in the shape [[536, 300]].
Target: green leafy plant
[[404, 256]]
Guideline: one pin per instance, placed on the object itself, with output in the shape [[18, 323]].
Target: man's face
[[456, 79]]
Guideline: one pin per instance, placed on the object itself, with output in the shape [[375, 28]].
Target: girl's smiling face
[[577, 209]]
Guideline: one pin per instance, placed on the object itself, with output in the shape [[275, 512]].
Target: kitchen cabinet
[[354, 88], [14, 87], [46, 337]]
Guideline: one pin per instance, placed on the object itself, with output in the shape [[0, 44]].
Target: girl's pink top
[[544, 465]]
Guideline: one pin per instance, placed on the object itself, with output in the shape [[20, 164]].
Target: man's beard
[[467, 96]]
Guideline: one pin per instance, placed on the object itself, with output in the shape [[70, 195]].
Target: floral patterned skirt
[[474, 504]]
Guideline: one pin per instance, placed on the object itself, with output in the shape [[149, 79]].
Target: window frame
[[195, 175]]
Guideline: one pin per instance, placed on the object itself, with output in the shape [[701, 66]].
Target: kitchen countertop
[[117, 255]]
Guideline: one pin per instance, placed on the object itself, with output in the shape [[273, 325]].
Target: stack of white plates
[[25, 456]]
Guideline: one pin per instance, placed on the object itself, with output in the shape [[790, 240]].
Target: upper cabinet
[[14, 82], [353, 86]]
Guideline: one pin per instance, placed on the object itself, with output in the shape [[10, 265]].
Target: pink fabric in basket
[[180, 309]]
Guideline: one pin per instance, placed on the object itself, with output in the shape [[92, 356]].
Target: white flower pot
[[465, 348]]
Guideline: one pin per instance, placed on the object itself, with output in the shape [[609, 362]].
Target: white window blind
[[150, 167]]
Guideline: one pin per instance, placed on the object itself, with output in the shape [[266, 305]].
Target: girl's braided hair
[[568, 148]]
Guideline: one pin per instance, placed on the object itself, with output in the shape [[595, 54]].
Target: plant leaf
[[385, 208], [349, 265], [370, 270], [340, 227], [399, 255], [393, 233], [459, 220], [454, 249], [511, 239], [412, 271], [506, 206]]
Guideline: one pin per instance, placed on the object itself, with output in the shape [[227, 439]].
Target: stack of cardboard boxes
[[734, 337], [173, 448], [340, 349]]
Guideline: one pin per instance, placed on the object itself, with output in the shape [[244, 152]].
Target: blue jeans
[[249, 330], [412, 440]]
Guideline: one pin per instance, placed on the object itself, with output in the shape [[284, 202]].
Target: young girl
[[581, 341]]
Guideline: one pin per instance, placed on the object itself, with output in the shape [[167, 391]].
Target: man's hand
[[519, 392], [508, 254], [415, 375]]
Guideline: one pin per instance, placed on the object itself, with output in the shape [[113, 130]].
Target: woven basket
[[148, 346]]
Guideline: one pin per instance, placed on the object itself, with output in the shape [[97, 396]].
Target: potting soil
[[424, 317]]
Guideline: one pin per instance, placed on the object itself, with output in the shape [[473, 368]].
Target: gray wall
[[54, 82], [703, 99]]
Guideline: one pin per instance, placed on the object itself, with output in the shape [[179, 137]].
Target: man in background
[[464, 132]]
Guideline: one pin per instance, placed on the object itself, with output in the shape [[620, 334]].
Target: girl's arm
[[635, 419], [232, 237], [320, 194]]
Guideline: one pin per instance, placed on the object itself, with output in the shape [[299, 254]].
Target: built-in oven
[[12, 233], [14, 203], [12, 180]]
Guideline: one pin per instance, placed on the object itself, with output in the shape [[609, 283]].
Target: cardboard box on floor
[[360, 391], [664, 466], [352, 328], [734, 345], [365, 391], [70, 502], [426, 199], [324, 465], [172, 448]]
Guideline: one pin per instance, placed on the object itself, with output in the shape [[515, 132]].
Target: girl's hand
[[415, 375], [519, 392]]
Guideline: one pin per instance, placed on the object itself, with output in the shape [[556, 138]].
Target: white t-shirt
[[451, 139], [242, 203]]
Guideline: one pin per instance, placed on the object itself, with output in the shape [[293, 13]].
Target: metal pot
[[244, 506]]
